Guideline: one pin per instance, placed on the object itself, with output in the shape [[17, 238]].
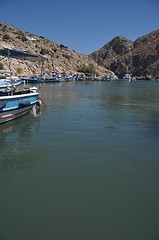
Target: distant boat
[[13, 103], [53, 77], [33, 79], [57, 77], [127, 77]]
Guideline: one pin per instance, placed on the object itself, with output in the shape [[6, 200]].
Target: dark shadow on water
[[18, 144]]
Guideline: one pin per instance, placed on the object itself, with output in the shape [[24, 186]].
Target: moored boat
[[7, 82], [14, 103], [33, 79], [5, 85], [17, 103]]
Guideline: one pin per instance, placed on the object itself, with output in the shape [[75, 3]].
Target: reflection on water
[[17, 141], [86, 168]]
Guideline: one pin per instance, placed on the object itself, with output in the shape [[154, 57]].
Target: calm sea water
[[86, 167]]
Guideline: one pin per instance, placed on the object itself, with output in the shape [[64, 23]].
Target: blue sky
[[85, 25]]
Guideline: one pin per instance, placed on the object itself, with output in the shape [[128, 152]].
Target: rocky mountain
[[123, 56], [58, 57]]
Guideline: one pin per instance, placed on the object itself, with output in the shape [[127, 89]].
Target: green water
[[86, 167]]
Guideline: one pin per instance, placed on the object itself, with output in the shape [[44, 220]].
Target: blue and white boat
[[33, 79], [54, 77], [6, 85], [17, 104], [13, 103]]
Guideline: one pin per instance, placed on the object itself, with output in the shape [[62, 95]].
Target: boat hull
[[13, 114]]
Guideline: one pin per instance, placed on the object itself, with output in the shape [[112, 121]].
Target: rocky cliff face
[[59, 57], [139, 58]]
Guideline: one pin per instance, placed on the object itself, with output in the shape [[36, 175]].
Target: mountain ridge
[[118, 57], [139, 58]]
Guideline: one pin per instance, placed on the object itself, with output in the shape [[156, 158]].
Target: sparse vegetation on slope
[[58, 57]]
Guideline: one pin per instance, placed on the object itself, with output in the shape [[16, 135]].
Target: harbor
[[79, 120]]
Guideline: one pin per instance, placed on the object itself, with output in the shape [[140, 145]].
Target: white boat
[[53, 77], [13, 103], [4, 85], [127, 77], [7, 82], [7, 85]]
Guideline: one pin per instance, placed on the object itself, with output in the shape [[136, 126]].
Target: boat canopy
[[20, 54]]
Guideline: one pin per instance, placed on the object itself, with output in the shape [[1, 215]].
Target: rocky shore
[[58, 57]]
